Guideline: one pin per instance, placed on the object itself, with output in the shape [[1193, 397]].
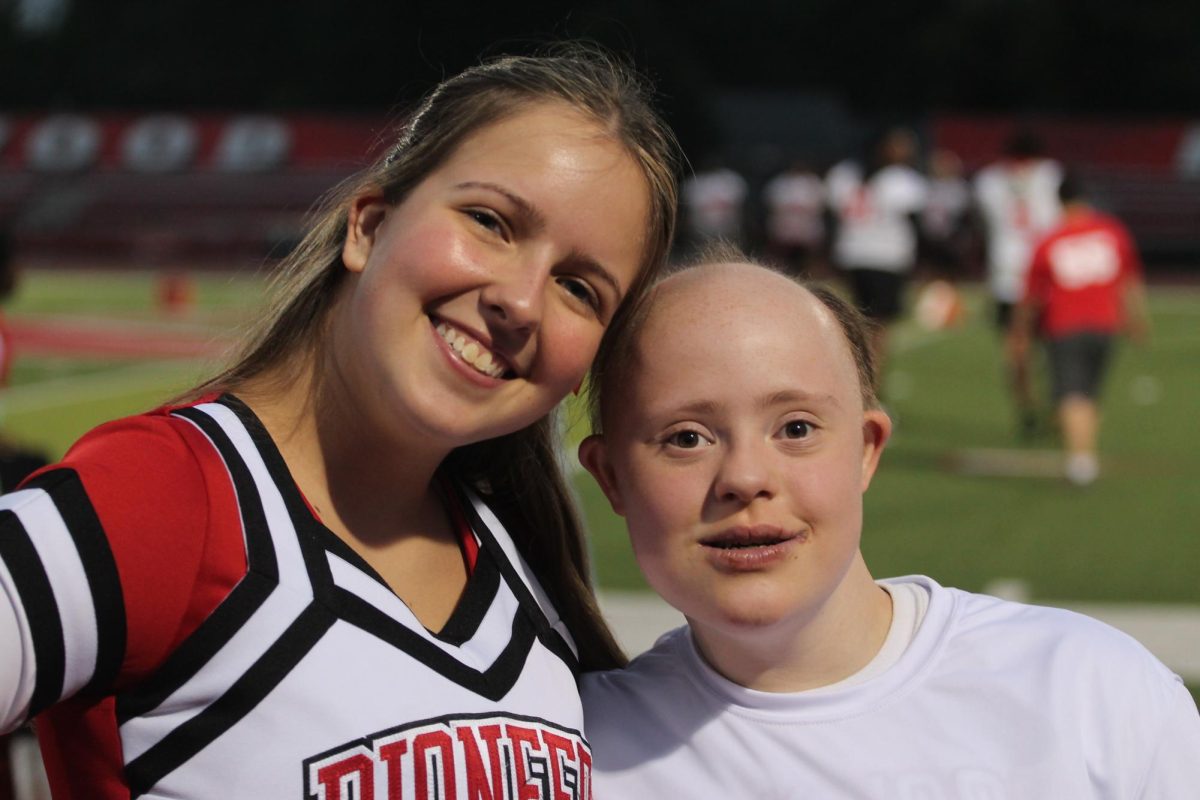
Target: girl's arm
[[109, 560]]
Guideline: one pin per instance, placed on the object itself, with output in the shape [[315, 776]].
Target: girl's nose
[[744, 475], [514, 298]]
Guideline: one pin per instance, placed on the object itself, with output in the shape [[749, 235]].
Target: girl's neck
[[834, 642], [360, 481]]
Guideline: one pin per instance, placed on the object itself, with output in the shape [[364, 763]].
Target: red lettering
[[391, 754], [526, 790], [500, 760], [585, 773], [477, 779], [559, 744], [332, 777], [422, 744]]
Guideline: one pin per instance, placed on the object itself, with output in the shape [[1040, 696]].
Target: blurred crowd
[[1055, 267], [809, 218]]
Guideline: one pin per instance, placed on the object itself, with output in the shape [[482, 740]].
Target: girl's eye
[[485, 219], [581, 290], [797, 429], [685, 440]]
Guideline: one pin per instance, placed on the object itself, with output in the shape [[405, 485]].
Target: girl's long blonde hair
[[519, 473]]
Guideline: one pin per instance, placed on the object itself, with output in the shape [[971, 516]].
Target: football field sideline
[[1171, 632]]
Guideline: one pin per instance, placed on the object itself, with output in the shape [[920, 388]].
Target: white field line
[[81, 389]]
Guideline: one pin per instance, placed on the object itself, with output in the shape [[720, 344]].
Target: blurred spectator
[[875, 204], [946, 218], [714, 200], [1084, 287], [1017, 200], [795, 209]]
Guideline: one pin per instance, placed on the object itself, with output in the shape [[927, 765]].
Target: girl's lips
[[472, 352], [751, 548], [745, 536]]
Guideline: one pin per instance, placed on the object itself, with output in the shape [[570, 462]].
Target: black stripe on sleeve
[[241, 603], [103, 579], [252, 688], [260, 552], [312, 535], [37, 598]]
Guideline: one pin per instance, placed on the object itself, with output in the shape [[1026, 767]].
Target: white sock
[[1082, 468]]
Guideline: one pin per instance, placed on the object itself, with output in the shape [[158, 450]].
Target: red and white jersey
[[1079, 273], [990, 700], [187, 628], [875, 229], [1018, 201]]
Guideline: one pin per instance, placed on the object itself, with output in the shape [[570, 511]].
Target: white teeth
[[471, 351]]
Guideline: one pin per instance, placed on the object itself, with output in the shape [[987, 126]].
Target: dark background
[[753, 84], [878, 58]]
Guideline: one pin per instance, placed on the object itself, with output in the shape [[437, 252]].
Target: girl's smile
[[470, 350]]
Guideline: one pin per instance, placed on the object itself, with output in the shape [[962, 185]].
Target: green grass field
[[1133, 536]]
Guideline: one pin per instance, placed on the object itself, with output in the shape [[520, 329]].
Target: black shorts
[[1004, 315], [877, 293], [1078, 363]]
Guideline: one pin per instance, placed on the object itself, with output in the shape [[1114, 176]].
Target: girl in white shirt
[[739, 430]]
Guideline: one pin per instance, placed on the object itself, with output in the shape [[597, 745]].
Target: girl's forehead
[[729, 327], [537, 118], [708, 304]]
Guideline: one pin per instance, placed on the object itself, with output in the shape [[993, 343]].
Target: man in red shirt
[[1084, 287]]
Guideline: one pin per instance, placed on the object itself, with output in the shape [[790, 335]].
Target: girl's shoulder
[[150, 495]]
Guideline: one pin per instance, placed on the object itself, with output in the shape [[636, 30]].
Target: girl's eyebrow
[[698, 407], [528, 210], [782, 397], [786, 396]]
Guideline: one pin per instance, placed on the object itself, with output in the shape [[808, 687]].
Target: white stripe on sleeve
[[68, 581]]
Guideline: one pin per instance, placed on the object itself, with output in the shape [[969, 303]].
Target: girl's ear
[[877, 429], [593, 454], [366, 214]]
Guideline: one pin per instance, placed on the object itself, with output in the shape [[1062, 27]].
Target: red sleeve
[[169, 511]]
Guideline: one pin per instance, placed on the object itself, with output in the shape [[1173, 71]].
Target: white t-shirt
[[875, 229], [1018, 201], [991, 700]]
